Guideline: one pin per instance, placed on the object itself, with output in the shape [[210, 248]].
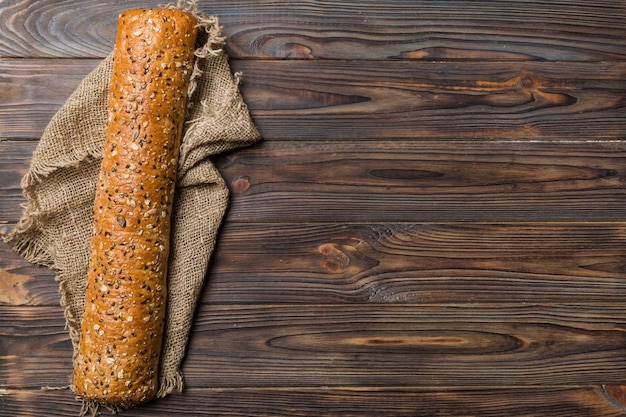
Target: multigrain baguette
[[122, 327]]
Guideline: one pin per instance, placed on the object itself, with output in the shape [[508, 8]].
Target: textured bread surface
[[117, 361]]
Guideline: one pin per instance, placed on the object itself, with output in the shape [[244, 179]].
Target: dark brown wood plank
[[403, 181], [22, 283], [565, 30], [48, 358], [33, 91], [435, 100], [345, 402], [364, 100], [418, 263], [14, 164], [358, 345], [418, 181], [390, 263], [428, 346]]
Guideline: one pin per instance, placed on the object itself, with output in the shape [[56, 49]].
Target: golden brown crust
[[121, 334]]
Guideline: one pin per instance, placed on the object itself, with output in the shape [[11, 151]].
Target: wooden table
[[434, 224]]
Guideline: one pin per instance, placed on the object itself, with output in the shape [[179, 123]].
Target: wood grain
[[427, 182], [496, 30], [13, 166], [366, 100], [347, 402], [22, 283], [436, 100], [418, 263], [33, 91], [389, 263], [430, 346], [338, 345]]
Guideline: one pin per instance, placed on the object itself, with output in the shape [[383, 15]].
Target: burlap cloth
[[60, 185]]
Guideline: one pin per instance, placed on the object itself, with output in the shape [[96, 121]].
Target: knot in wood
[[527, 82], [335, 261], [241, 185]]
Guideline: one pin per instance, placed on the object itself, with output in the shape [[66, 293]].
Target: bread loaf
[[122, 327]]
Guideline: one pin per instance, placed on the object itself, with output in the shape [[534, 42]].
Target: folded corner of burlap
[[59, 187]]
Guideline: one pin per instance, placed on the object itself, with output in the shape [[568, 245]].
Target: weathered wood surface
[[365, 100], [495, 29], [428, 182], [348, 402], [434, 224]]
